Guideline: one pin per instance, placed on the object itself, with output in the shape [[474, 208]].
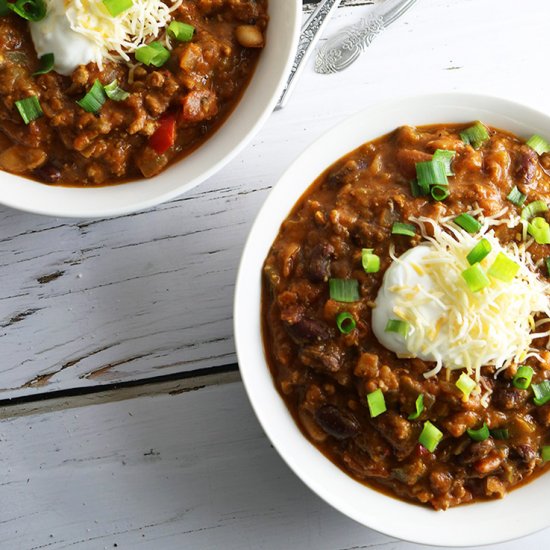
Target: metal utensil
[[311, 31], [342, 49]]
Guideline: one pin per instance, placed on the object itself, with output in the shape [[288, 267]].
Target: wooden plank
[[187, 470], [84, 303]]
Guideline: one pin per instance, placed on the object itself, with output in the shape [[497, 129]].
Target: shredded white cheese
[[450, 324], [116, 37]]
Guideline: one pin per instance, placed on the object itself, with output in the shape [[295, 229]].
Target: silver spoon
[[311, 32], [342, 49]]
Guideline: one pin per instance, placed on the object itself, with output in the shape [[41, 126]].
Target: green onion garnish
[[480, 251], [29, 109], [542, 392], [345, 322], [446, 157], [116, 7], [503, 268], [475, 135], [398, 326], [545, 453], [475, 278], [418, 190], [45, 64], [376, 403], [344, 290], [468, 223], [439, 192], [430, 436], [115, 92], [419, 405], [180, 31], [153, 54], [431, 172], [532, 209], [500, 433], [370, 261], [407, 229], [31, 10], [538, 144], [547, 262], [465, 384], [540, 230], [516, 196], [479, 435], [523, 377], [94, 99]]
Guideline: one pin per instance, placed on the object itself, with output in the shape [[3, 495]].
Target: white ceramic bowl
[[522, 511], [250, 114]]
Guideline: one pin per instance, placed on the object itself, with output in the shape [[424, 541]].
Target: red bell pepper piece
[[165, 135]]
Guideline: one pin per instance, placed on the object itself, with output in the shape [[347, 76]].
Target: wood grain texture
[[86, 303], [183, 471]]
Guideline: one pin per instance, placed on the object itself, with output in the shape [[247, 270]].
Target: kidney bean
[[48, 173], [336, 423], [308, 330], [319, 262]]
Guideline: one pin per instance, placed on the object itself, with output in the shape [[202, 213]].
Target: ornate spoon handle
[[342, 49], [311, 31]]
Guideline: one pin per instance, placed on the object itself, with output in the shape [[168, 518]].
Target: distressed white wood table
[[123, 422]]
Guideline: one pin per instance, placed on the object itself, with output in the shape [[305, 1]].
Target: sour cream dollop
[[54, 34], [78, 32], [450, 324]]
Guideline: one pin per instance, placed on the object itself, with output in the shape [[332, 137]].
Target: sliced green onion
[[475, 135], [431, 172], [446, 157], [94, 99], [115, 92], [540, 230], [180, 31], [45, 64], [419, 405], [29, 109], [545, 453], [31, 10], [538, 144], [344, 290], [542, 392], [345, 322], [439, 192], [479, 435], [480, 251], [500, 433], [503, 268], [468, 223], [475, 278], [516, 196], [523, 377], [398, 326], [418, 190], [547, 262], [407, 229], [153, 54], [465, 384], [430, 436], [370, 261], [376, 403], [532, 209], [116, 7]]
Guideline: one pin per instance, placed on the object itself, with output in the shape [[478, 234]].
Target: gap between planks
[[172, 385]]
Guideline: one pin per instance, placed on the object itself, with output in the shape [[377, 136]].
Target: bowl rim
[[118, 199], [268, 405]]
